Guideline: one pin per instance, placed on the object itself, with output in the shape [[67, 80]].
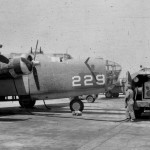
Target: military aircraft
[[140, 82], [114, 84], [35, 77]]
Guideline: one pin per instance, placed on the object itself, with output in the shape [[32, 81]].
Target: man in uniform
[[129, 102]]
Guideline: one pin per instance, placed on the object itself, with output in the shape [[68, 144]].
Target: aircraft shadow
[[106, 109], [12, 119], [56, 111], [104, 98]]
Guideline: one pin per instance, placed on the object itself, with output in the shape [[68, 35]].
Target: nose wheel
[[76, 105]]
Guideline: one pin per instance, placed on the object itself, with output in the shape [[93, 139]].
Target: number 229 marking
[[76, 81], [88, 80]]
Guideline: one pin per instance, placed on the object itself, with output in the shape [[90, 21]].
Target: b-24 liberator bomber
[[36, 77]]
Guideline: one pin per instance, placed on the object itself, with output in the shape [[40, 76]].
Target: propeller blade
[[31, 50], [36, 78], [28, 63], [36, 49], [3, 59]]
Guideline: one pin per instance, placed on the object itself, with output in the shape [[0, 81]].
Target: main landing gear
[[26, 102], [76, 104]]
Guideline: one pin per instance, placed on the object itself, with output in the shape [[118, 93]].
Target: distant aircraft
[[113, 83]]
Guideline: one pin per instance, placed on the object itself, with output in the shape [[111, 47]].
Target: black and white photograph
[[74, 75]]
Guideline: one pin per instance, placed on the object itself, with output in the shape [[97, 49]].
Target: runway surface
[[101, 127]]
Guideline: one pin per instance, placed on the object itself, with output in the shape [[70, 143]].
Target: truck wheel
[[108, 94], [90, 99], [76, 105], [26, 102], [138, 112], [116, 95]]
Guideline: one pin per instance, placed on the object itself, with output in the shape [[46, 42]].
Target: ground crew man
[[129, 103]]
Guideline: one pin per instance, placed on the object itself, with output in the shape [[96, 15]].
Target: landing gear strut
[[76, 104], [26, 102]]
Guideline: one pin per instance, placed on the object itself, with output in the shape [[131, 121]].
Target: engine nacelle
[[21, 65]]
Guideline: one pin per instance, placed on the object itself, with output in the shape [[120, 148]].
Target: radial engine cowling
[[16, 66], [21, 65]]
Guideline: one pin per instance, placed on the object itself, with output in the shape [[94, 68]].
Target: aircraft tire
[[26, 102], [108, 94], [115, 95], [76, 105], [90, 99]]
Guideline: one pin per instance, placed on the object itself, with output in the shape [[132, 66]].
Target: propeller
[[36, 78], [35, 74], [3, 59], [36, 49], [28, 63]]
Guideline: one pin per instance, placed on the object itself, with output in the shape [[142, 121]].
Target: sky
[[118, 30]]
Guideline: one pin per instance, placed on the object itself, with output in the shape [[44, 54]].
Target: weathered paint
[[56, 78], [7, 87], [59, 79]]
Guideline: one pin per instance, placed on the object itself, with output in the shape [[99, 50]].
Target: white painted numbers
[[87, 80], [100, 79], [76, 81]]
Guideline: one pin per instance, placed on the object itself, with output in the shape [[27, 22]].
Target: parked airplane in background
[[114, 84]]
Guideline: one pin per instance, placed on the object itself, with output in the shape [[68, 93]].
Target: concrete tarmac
[[101, 127]]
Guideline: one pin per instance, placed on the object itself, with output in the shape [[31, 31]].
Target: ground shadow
[[12, 119], [113, 98]]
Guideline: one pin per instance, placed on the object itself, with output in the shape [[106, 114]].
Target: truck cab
[[141, 88]]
